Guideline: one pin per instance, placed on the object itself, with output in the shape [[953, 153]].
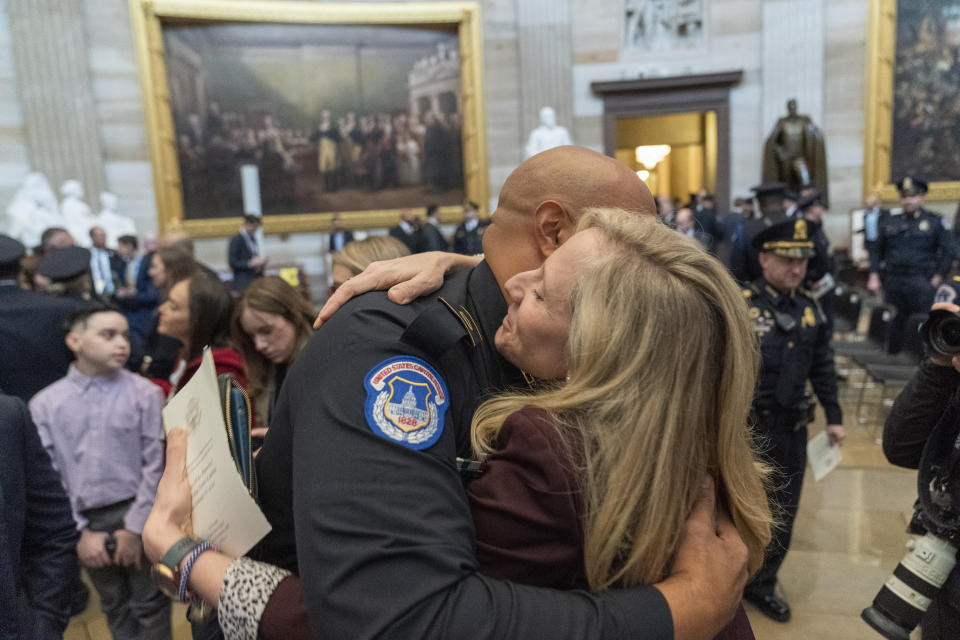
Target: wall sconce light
[[650, 155]]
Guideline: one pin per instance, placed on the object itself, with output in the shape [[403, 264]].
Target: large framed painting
[[297, 111], [913, 107]]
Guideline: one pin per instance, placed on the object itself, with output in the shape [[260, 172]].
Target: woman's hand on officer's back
[[406, 279]]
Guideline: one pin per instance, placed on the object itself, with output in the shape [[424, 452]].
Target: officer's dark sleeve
[[916, 411], [48, 561], [945, 250], [823, 373], [385, 540]]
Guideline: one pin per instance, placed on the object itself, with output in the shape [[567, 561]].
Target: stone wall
[[536, 52], [828, 79]]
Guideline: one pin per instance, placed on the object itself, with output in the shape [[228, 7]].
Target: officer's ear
[[552, 226], [763, 259]]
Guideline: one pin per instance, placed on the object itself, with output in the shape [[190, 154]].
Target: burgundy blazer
[[526, 510]]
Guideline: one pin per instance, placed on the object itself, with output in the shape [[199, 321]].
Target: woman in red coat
[[197, 312]]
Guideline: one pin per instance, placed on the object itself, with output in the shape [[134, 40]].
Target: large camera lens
[[941, 333], [907, 595]]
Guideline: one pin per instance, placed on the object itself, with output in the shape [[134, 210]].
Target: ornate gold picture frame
[[894, 92], [170, 144]]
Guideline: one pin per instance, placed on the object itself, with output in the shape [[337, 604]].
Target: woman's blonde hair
[[356, 255], [662, 367]]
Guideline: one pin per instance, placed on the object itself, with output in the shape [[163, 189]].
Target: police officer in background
[[795, 347], [913, 254], [821, 269], [32, 351], [741, 230], [468, 237]]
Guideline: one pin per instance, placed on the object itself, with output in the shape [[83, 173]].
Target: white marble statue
[[547, 135], [76, 212], [33, 210], [113, 223]]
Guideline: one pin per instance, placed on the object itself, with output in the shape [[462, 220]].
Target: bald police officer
[[795, 347], [384, 541], [912, 256]]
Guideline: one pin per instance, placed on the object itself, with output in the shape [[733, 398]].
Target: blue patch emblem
[[946, 293], [406, 402]]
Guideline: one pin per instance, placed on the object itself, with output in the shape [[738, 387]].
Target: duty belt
[[793, 418]]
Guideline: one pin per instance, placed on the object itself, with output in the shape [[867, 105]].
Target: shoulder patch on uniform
[[406, 402]]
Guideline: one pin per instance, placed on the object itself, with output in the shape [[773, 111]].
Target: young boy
[[101, 425]]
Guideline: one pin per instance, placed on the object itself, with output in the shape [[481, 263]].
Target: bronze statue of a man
[[795, 153]]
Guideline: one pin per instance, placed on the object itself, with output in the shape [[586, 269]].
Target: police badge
[[406, 402]]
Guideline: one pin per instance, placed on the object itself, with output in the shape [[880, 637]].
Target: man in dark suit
[[32, 349], [705, 216], [244, 254], [468, 238], [102, 262], [38, 560], [338, 235], [408, 232], [432, 239]]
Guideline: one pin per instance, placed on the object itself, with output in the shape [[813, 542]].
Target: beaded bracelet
[[184, 593]]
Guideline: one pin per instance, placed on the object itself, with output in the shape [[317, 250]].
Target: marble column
[[792, 59], [50, 58], [545, 43]]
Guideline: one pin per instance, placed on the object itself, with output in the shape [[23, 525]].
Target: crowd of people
[[558, 429], [367, 152]]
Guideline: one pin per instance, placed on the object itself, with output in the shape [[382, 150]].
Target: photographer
[[929, 397]]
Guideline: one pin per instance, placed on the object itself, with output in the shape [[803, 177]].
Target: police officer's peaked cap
[[65, 264], [11, 250], [806, 202], [769, 189], [789, 194], [790, 239], [911, 186]]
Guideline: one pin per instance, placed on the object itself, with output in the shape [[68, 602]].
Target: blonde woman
[[356, 255], [649, 342], [648, 363]]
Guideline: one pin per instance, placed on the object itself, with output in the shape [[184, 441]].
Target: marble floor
[[848, 538]]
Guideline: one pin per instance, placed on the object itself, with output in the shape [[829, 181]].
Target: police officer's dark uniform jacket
[[795, 347], [32, 351], [469, 242], [384, 541], [911, 248], [742, 260]]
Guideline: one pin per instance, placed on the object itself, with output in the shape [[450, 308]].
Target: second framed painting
[[913, 111], [296, 111]]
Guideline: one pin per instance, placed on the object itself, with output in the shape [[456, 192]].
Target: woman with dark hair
[[170, 265], [153, 354], [197, 312], [270, 327]]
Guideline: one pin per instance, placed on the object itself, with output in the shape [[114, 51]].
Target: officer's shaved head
[[543, 198]]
